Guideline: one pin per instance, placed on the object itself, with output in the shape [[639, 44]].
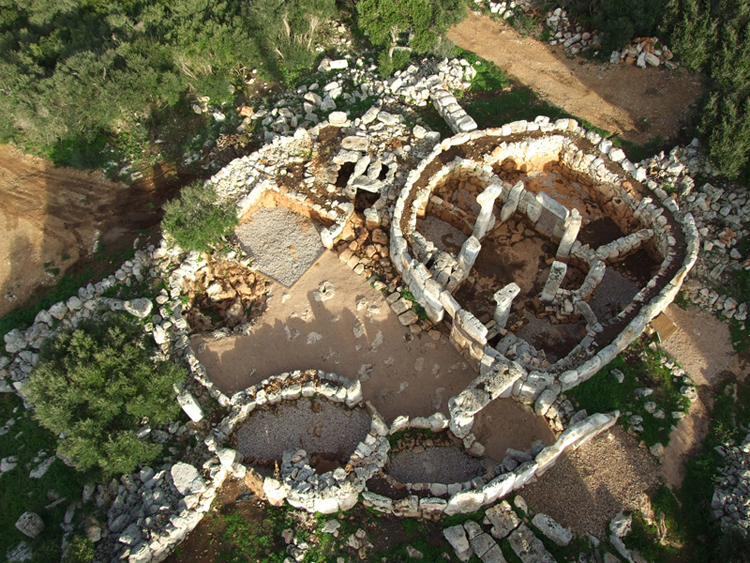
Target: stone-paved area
[[282, 243]]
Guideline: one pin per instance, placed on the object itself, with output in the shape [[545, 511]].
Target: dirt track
[[50, 218], [635, 103]]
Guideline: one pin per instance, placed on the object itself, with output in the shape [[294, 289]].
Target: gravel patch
[[589, 486], [434, 465], [282, 243], [318, 427], [443, 235], [614, 288]]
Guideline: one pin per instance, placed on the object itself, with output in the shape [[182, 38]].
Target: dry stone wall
[[660, 223]]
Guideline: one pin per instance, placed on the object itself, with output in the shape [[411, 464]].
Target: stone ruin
[[470, 185], [611, 183], [340, 489], [452, 206]]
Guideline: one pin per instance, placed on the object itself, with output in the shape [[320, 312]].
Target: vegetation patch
[[31, 444], [646, 379], [196, 221], [96, 386]]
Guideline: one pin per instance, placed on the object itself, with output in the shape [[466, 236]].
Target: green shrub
[[714, 36], [196, 221], [96, 385], [388, 64], [80, 550], [425, 21], [385, 64]]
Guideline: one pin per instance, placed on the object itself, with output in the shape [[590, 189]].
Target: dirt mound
[[629, 101]]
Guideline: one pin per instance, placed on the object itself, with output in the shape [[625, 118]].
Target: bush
[[425, 21], [388, 64], [196, 221], [80, 550], [96, 385]]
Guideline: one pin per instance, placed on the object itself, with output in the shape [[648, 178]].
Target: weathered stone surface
[[353, 143], [30, 524], [456, 536], [528, 547], [550, 528], [465, 502], [186, 479], [503, 520], [140, 307], [190, 405]]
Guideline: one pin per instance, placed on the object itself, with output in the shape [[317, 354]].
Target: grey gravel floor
[[282, 243], [614, 288], [294, 425], [434, 465]]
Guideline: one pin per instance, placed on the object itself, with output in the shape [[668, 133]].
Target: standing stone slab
[[504, 299], [556, 274], [528, 547]]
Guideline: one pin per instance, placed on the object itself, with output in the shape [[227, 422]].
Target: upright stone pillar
[[511, 205], [487, 200], [584, 309], [504, 299], [556, 274], [572, 226], [469, 252]]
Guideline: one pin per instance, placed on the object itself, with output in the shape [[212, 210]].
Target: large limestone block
[[503, 520], [465, 502], [456, 536], [30, 524], [550, 528], [528, 547], [186, 479]]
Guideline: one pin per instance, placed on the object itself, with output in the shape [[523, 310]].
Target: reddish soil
[[52, 217], [629, 101]]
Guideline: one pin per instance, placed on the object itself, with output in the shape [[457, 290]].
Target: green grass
[[416, 305], [19, 493], [244, 540], [642, 367], [687, 517]]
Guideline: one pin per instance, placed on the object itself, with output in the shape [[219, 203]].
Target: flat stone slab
[[528, 547], [282, 243]]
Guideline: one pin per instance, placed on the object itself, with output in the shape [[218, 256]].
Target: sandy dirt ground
[[588, 487], [633, 102], [48, 216], [702, 346], [354, 334], [51, 217]]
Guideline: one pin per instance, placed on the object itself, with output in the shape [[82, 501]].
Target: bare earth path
[[702, 347], [617, 98], [51, 217]]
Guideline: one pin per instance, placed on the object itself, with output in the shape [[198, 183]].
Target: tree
[[96, 385], [424, 20]]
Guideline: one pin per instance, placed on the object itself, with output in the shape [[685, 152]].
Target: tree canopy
[[96, 385], [424, 20], [71, 69]]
